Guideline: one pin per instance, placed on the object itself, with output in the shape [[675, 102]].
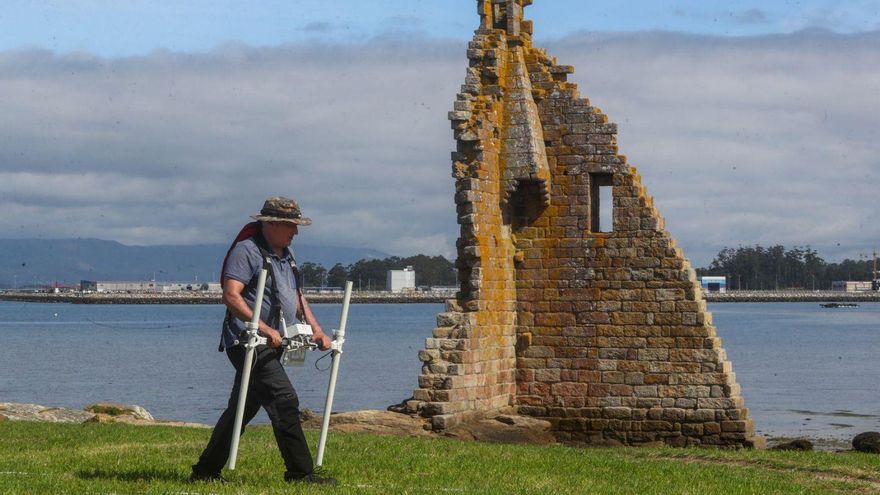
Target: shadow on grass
[[132, 475]]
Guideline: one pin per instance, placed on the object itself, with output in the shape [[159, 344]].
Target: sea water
[[804, 370]]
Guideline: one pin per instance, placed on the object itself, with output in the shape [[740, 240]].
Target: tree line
[[746, 268], [371, 274], [775, 267]]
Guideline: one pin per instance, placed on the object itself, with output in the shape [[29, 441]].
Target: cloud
[[184, 142], [746, 140], [318, 27], [750, 16], [740, 141], [841, 16]]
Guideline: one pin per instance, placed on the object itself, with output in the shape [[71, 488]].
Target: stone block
[[547, 375], [634, 378], [613, 377], [573, 389], [617, 412], [653, 425], [734, 426], [646, 391], [449, 319], [673, 415]]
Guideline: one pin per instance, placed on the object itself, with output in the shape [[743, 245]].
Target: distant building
[[449, 290], [323, 290], [714, 284], [147, 286], [401, 280], [106, 286], [848, 286], [188, 286]]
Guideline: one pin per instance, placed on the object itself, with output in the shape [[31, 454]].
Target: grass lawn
[[117, 458]]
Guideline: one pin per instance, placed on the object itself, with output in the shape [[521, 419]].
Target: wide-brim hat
[[281, 209]]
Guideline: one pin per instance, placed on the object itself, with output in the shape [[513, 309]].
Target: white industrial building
[[401, 280], [714, 284], [115, 286], [849, 286], [147, 286], [189, 286]]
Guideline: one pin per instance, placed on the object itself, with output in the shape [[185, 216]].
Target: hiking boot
[[196, 476], [311, 478]]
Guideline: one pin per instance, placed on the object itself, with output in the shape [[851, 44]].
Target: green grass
[[118, 459]]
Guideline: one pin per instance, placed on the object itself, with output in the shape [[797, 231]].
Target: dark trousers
[[269, 388]]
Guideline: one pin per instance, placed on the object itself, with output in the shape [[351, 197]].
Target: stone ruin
[[602, 330]]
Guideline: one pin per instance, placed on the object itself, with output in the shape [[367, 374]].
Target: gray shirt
[[244, 264]]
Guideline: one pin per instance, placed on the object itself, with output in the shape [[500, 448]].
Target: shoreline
[[381, 297], [365, 421]]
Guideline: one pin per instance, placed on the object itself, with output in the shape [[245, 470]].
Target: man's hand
[[272, 336], [319, 336], [322, 340]]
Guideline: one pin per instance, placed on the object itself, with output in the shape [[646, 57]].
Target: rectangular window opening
[[601, 203], [499, 14]]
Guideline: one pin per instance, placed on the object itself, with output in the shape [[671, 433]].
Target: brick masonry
[[602, 330]]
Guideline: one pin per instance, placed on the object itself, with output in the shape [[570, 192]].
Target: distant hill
[[24, 261]]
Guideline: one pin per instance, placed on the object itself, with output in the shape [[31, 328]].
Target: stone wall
[[602, 330]]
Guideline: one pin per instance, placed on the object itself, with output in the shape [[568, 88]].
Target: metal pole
[[252, 329], [875, 267], [338, 340]]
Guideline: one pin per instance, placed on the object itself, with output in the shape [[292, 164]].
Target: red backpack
[[253, 229]]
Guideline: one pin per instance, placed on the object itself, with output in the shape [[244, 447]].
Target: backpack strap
[[298, 277], [274, 308]]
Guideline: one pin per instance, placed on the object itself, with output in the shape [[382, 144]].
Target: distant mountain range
[[25, 262]]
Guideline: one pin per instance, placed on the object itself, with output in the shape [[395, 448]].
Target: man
[[270, 388]]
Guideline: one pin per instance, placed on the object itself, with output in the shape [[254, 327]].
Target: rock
[[132, 411], [306, 414], [36, 412], [801, 444], [101, 418], [129, 414], [413, 406], [756, 442], [400, 408], [504, 428], [408, 406], [868, 442], [375, 422]]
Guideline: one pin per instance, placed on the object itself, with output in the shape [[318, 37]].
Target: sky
[[169, 122]]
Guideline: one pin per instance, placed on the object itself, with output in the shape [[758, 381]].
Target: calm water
[[804, 370]]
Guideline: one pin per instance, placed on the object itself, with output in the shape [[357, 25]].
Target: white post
[[338, 340], [252, 329]]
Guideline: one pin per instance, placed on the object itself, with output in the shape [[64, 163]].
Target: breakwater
[[380, 297], [793, 296], [360, 297]]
